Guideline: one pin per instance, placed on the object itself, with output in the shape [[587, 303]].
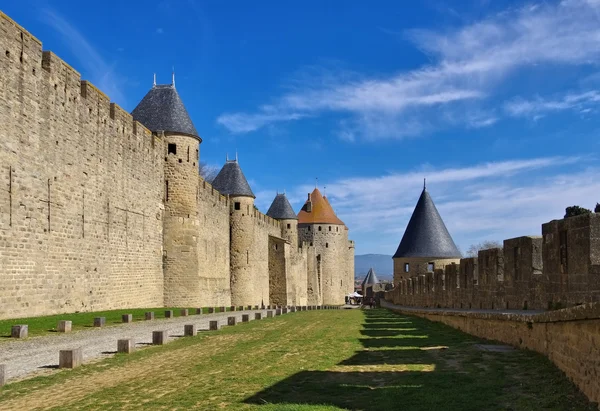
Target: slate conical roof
[[161, 109], [426, 234], [281, 209], [231, 181], [371, 278], [321, 211]]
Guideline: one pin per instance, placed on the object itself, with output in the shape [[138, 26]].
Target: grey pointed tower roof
[[161, 109], [426, 234], [231, 181], [371, 278], [281, 209]]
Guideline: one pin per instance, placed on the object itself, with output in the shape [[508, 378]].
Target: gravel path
[[39, 355]]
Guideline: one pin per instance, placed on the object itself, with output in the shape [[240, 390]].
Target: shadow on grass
[[414, 364]]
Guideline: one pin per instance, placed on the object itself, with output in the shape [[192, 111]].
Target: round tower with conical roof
[[162, 111], [320, 227], [248, 287], [282, 210], [426, 244]]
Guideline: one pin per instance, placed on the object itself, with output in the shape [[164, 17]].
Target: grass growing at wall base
[[317, 360], [47, 324]]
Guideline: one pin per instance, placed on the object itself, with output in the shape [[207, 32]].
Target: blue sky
[[496, 103]]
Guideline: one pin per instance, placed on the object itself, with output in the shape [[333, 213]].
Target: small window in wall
[[188, 154], [167, 190], [406, 267], [172, 148], [311, 243], [430, 267], [308, 228], [326, 245], [197, 155], [337, 229], [319, 228], [329, 228], [237, 205], [289, 226]]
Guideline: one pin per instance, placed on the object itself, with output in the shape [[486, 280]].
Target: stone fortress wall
[[97, 212], [81, 190], [559, 269]]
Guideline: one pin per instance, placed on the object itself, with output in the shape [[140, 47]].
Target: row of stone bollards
[[73, 358]]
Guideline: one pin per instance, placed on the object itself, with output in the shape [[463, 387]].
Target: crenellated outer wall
[[81, 190]]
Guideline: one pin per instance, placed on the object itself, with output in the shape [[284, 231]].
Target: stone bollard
[[258, 316], [278, 311], [213, 325], [125, 346], [189, 330], [284, 310], [230, 320], [293, 309], [168, 313], [149, 315], [245, 318], [232, 308], [70, 358], [184, 312], [127, 318], [240, 308], [211, 310], [2, 374], [249, 307], [99, 321], [198, 311], [269, 314], [19, 331], [159, 337], [221, 309], [64, 326], [256, 307], [310, 307]]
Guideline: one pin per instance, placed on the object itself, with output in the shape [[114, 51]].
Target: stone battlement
[[559, 269]]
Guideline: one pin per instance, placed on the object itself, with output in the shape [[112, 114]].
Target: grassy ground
[[47, 324], [316, 360]]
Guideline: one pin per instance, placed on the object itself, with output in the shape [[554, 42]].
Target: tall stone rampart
[[81, 190], [559, 269]]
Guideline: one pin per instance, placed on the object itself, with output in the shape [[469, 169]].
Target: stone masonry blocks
[[64, 326], [70, 358], [258, 316], [2, 374], [189, 330], [127, 318], [125, 346], [245, 318], [169, 314], [19, 331], [159, 337], [149, 315], [213, 325], [231, 320], [99, 321]]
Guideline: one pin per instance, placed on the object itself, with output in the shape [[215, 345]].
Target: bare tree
[[484, 245], [207, 172]]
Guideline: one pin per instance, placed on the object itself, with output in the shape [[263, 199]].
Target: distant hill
[[381, 263]]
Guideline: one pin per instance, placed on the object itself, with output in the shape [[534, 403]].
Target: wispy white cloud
[[583, 103], [469, 64], [100, 72], [495, 201]]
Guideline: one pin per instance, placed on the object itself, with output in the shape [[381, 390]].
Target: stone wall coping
[[588, 311]]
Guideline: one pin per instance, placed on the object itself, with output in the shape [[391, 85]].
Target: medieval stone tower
[[320, 227], [163, 112], [426, 244]]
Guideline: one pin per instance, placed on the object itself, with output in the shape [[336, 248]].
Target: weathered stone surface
[[2, 374], [127, 318], [231, 320], [159, 337], [70, 358], [125, 346], [99, 321], [19, 331], [64, 326], [213, 325], [190, 330], [149, 315]]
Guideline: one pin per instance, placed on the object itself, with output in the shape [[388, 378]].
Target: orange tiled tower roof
[[317, 210]]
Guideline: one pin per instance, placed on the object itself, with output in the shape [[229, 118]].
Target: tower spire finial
[[316, 181], [236, 155], [173, 77], [424, 184], [154, 83], [226, 157]]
